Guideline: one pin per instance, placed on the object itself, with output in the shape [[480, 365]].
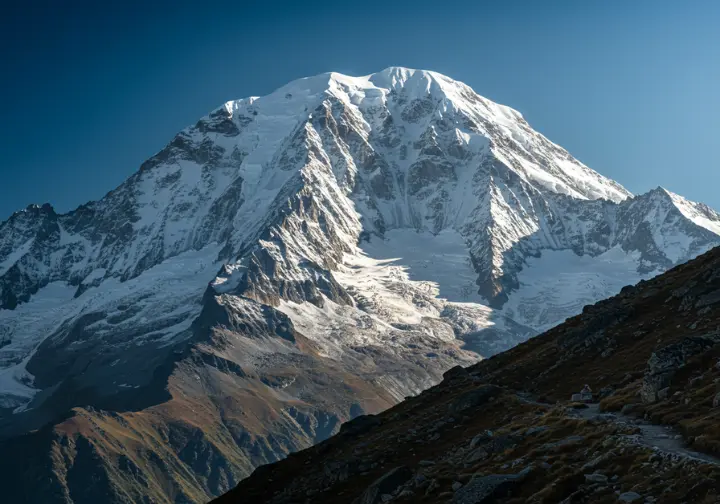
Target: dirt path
[[658, 437]]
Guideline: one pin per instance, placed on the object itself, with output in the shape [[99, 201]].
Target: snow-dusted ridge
[[398, 211]]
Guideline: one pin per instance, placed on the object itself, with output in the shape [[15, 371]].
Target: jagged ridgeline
[[293, 261]]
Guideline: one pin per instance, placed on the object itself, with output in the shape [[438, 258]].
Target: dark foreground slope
[[504, 431]]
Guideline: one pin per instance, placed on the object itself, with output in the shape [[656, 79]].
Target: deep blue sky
[[91, 89]]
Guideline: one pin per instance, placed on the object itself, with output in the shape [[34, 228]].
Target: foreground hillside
[[503, 430]]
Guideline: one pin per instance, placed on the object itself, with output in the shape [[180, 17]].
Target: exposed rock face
[[373, 231]]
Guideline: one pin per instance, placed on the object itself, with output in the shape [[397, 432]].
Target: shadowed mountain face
[[293, 261], [505, 431]]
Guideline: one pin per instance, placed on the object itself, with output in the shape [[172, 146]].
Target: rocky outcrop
[[666, 362], [474, 398], [385, 486]]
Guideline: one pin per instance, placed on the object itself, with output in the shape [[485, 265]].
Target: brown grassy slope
[[607, 346], [214, 430]]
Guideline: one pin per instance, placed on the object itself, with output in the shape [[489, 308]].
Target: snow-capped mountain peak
[[381, 228], [698, 213]]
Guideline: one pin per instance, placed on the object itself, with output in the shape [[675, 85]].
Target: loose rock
[[387, 484], [596, 478]]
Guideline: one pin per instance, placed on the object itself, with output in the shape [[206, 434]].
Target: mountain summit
[[370, 231]]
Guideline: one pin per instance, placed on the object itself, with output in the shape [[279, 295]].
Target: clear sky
[[91, 89]]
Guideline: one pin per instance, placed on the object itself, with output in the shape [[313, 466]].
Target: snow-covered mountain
[[373, 231]]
